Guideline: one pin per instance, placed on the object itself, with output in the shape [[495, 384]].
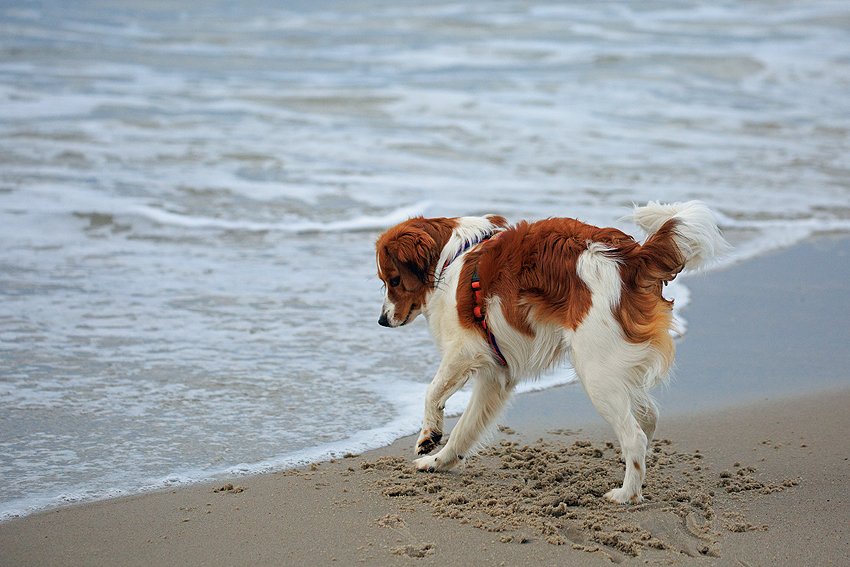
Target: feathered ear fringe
[[414, 250]]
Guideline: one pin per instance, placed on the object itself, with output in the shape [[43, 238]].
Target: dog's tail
[[682, 236]]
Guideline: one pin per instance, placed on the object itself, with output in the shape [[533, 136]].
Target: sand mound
[[554, 492]]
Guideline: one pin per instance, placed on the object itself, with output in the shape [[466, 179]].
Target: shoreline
[[760, 484], [754, 331]]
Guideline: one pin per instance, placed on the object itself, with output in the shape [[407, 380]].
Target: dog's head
[[407, 257]]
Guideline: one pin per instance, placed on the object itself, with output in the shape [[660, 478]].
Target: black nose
[[383, 321]]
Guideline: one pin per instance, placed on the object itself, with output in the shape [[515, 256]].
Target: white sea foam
[[361, 223]]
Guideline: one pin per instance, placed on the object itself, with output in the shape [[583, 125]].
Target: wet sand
[[749, 467]]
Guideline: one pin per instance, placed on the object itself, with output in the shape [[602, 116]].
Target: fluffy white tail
[[696, 234]]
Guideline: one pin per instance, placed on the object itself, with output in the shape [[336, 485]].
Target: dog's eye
[[395, 281]]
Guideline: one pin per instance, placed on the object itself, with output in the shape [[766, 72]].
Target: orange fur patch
[[532, 268]]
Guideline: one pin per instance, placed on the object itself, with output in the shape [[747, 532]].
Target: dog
[[506, 303]]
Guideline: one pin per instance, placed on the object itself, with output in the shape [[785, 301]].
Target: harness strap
[[479, 316], [463, 249]]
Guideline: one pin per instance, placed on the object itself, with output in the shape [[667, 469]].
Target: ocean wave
[[356, 224], [406, 401]]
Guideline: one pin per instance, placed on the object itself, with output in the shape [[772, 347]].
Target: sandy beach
[[749, 466]]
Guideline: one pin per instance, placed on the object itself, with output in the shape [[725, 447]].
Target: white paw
[[624, 496], [442, 461], [427, 464]]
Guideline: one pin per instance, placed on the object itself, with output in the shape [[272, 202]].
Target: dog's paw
[[624, 496], [437, 463], [428, 464], [428, 441]]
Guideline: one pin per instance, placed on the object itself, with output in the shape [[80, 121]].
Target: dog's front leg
[[488, 399], [451, 376]]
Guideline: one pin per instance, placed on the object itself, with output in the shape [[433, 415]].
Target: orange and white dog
[[505, 303]]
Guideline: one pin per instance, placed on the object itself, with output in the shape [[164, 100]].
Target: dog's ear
[[414, 250]]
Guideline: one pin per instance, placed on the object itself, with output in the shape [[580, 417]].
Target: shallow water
[[190, 192]]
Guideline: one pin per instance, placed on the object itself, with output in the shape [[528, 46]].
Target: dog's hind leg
[[613, 370], [611, 388], [489, 396], [646, 414]]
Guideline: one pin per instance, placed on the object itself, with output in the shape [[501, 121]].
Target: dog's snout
[[383, 321]]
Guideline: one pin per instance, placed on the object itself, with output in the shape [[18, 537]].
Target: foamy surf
[[361, 223]]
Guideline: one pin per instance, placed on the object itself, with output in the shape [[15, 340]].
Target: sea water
[[190, 193]]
